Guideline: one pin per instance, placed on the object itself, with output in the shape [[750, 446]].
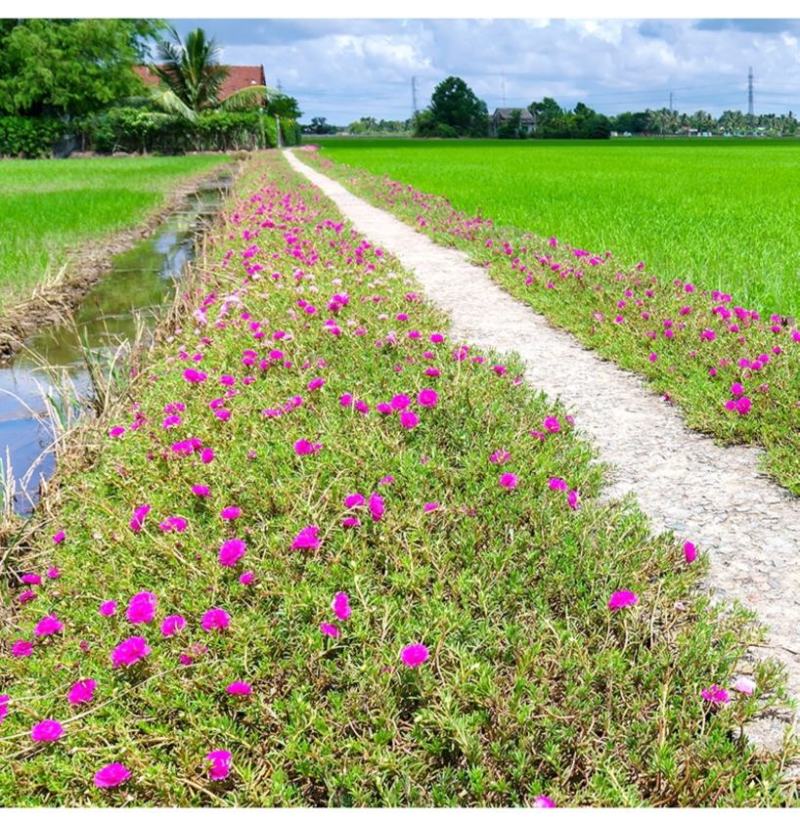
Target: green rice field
[[721, 213], [49, 207]]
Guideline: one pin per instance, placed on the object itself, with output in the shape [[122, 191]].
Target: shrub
[[28, 136]]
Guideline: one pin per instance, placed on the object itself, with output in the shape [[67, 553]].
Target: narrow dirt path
[[714, 496]]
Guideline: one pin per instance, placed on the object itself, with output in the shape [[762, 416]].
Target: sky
[[345, 69]]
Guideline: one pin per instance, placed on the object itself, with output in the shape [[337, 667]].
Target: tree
[[319, 125], [68, 67], [454, 111], [284, 106], [193, 77]]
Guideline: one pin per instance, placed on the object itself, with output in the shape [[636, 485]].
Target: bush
[[28, 136]]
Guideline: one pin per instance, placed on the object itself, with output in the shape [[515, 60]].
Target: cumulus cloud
[[344, 69]]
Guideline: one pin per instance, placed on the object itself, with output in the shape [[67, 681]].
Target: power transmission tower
[[503, 86], [414, 108], [750, 116], [670, 103], [280, 87]]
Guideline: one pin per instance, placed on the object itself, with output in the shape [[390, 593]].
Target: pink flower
[[400, 402], [138, 518], [376, 507], [54, 572], [305, 447], [509, 481], [430, 506], [744, 685], [48, 625], [82, 691], [573, 499], [622, 599], [31, 579], [21, 648], [329, 630], [247, 578], [689, 552], [715, 695], [351, 522], [427, 398], [172, 624], [231, 512], [743, 405], [111, 775], [341, 606], [412, 656], [220, 764], [4, 700], [409, 420], [207, 456], [108, 608], [307, 539], [47, 731], [354, 501], [193, 376], [142, 607], [129, 652], [59, 537], [543, 801], [552, 425], [201, 490], [215, 619], [500, 457], [239, 688], [231, 551], [557, 484]]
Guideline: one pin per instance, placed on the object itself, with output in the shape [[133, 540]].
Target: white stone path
[[714, 496]]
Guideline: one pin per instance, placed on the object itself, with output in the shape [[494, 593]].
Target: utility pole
[[414, 109], [670, 103], [280, 87], [750, 116]]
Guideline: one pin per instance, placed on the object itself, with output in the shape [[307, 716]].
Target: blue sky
[[344, 69]]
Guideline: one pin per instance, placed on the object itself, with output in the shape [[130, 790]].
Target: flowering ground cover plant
[[734, 373], [333, 556]]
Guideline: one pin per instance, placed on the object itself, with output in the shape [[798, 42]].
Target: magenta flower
[[138, 518], [427, 398], [207, 455], [108, 608], [500, 457], [716, 695], [247, 578], [111, 775], [22, 648], [573, 499], [4, 700], [231, 512], [307, 539], [31, 579], [172, 624], [201, 490], [48, 625], [47, 731], [304, 448], [142, 607], [231, 551], [341, 606], [509, 481], [689, 552], [412, 656], [622, 599], [543, 801], [239, 688], [557, 484], [428, 507], [552, 425], [409, 420], [129, 652], [400, 402], [329, 630], [53, 573], [215, 619], [376, 507], [354, 501], [82, 691], [219, 764]]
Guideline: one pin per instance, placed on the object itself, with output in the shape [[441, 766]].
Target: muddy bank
[[51, 302]]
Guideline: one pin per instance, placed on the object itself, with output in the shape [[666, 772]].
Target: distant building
[[502, 116], [239, 77]]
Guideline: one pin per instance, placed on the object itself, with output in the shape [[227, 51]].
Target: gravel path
[[712, 495]]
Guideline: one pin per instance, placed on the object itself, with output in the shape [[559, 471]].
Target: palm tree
[[193, 77]]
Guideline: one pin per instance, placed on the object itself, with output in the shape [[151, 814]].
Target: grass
[[718, 212], [533, 686], [698, 348], [51, 207]]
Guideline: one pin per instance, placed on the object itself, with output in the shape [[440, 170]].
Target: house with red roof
[[239, 77]]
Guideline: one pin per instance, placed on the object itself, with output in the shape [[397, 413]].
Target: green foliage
[[454, 111], [69, 67], [138, 130], [284, 107], [512, 128], [583, 123], [27, 136]]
